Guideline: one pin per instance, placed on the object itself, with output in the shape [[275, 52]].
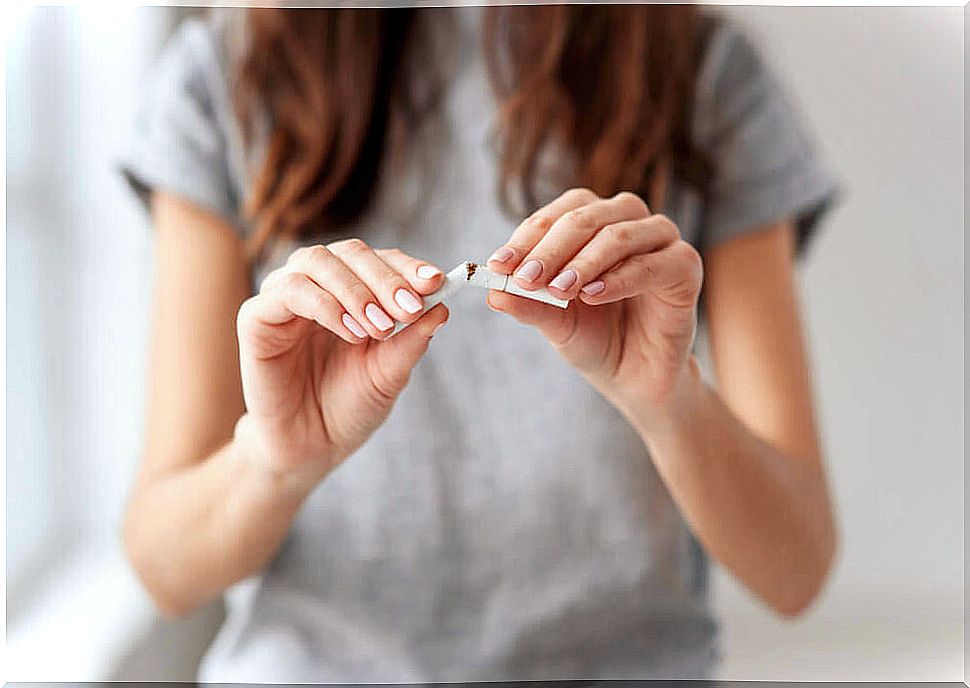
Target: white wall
[[883, 298]]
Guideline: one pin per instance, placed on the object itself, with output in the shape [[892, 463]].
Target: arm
[[221, 481], [746, 472], [745, 467], [201, 515]]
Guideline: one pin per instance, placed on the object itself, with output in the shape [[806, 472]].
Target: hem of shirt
[[803, 197], [144, 180]]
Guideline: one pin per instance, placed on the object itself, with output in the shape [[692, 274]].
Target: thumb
[[394, 358], [556, 324]]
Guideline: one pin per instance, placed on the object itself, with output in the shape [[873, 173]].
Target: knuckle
[[357, 292], [540, 222], [322, 301], [621, 233], [297, 256], [664, 224], [309, 255], [693, 257], [581, 219], [394, 280], [394, 253], [581, 194], [352, 245], [631, 201], [271, 279], [292, 281], [689, 261]]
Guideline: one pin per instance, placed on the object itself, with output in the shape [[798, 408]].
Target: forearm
[[194, 531], [764, 515]]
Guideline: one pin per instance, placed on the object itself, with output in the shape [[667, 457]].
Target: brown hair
[[611, 86]]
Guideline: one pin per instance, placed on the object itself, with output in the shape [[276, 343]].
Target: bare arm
[[744, 463], [221, 481], [201, 516], [744, 466]]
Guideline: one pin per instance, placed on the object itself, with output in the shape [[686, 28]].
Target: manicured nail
[[381, 320], [565, 279], [530, 271], [502, 255], [407, 301], [594, 288], [428, 272], [353, 326]]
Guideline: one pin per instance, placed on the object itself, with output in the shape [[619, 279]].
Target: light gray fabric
[[505, 522]]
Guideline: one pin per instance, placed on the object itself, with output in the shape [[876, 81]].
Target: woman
[[535, 494]]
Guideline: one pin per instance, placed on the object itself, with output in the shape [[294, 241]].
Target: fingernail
[[353, 326], [428, 272], [594, 288], [407, 301], [530, 270], [381, 320], [502, 255], [564, 280]]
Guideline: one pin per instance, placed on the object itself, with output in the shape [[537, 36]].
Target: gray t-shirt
[[505, 522]]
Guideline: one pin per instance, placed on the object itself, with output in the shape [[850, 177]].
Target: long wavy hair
[[608, 87]]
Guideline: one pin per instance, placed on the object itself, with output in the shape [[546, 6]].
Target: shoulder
[[185, 138], [196, 59], [767, 165], [733, 78]]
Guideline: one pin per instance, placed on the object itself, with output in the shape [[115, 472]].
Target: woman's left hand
[[634, 285]]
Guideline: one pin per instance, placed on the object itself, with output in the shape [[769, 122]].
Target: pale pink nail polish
[[502, 255], [353, 326], [379, 319], [530, 271], [564, 280], [428, 272], [407, 301], [594, 288]]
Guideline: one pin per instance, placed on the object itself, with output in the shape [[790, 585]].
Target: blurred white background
[[883, 298]]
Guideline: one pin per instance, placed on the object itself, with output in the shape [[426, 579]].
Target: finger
[[328, 271], [556, 324], [395, 358], [611, 245], [508, 257], [423, 277], [674, 273], [393, 291], [295, 295], [571, 232], [273, 278]]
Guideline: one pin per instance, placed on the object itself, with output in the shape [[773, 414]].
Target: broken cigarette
[[469, 273], [480, 276]]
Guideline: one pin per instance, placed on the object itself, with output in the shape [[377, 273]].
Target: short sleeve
[[766, 165], [180, 139]]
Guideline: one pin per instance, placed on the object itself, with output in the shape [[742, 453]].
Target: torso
[[504, 523]]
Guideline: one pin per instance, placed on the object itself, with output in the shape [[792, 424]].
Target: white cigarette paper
[[481, 276], [476, 275]]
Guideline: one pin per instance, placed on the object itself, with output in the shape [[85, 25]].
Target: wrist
[[265, 471], [656, 417]]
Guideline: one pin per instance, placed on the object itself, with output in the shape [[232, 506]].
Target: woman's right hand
[[317, 377]]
